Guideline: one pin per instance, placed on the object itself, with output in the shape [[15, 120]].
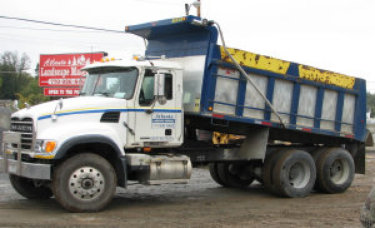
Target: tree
[[15, 83], [12, 74]]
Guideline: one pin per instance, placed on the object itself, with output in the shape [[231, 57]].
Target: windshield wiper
[[102, 93]]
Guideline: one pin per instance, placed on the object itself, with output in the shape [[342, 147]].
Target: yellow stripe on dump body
[[327, 77], [262, 62], [256, 61]]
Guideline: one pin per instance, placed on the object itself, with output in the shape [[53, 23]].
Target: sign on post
[[61, 92], [61, 73]]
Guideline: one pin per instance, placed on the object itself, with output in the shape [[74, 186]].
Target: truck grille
[[24, 126]]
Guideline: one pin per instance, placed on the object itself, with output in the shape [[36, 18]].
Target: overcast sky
[[337, 35]]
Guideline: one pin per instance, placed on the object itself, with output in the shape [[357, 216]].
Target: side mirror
[[159, 85]]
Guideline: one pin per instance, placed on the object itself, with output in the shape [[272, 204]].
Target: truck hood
[[76, 104]]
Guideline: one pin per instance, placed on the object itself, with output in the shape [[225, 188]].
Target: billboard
[[62, 72]]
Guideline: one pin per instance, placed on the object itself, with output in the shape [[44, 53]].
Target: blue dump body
[[309, 100]]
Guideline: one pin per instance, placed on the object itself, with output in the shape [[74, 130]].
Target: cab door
[[159, 119]]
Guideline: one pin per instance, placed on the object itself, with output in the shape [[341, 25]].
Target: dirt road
[[202, 203]]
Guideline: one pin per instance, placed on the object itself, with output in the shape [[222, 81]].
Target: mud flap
[[253, 148], [122, 172], [369, 139], [360, 159]]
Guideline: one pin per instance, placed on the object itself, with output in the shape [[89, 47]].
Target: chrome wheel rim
[[86, 183]]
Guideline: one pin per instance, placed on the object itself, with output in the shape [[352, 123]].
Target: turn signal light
[[147, 149], [50, 146]]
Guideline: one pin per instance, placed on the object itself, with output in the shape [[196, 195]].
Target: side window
[[146, 95]]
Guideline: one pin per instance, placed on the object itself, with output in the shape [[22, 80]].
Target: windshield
[[110, 82]]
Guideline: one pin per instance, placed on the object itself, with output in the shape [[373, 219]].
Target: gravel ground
[[201, 203]]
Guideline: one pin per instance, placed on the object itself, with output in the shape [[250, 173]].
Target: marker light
[[50, 146], [147, 149]]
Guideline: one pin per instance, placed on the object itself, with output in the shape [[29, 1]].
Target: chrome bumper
[[18, 167], [24, 169]]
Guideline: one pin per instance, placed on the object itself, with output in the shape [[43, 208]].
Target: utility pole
[[196, 4], [199, 8]]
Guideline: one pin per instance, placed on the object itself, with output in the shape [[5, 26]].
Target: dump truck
[[188, 102]]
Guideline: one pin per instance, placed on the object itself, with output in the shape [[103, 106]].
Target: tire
[[335, 170], [294, 174], [84, 183], [26, 188], [268, 167], [316, 155], [215, 175], [231, 175]]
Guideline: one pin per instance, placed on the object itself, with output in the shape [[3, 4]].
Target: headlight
[[45, 146], [38, 146]]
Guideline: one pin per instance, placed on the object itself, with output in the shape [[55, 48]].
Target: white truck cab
[[124, 106], [118, 101], [149, 112]]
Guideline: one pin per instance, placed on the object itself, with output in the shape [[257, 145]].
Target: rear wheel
[[294, 174], [214, 174], [315, 155], [335, 170], [234, 175], [84, 183], [268, 167], [28, 189]]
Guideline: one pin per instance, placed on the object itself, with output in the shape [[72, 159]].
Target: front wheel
[[28, 189], [84, 183]]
